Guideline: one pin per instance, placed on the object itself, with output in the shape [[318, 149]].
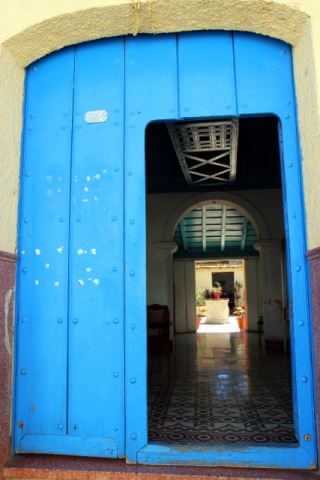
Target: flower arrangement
[[214, 293], [239, 312], [217, 287], [200, 297]]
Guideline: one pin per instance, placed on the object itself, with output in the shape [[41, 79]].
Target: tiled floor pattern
[[220, 388]]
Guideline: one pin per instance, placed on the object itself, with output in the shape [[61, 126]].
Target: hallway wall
[[184, 296], [254, 293]]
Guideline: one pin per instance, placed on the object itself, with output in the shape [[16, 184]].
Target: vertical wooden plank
[[96, 357], [206, 74], [151, 94], [264, 77], [43, 249]]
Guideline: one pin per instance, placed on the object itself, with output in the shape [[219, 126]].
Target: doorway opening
[[219, 369], [220, 296]]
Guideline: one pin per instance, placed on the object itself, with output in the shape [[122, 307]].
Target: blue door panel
[[43, 249], [206, 74], [264, 76], [151, 94], [96, 354], [70, 445]]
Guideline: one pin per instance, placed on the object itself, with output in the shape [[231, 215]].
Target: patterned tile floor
[[220, 388]]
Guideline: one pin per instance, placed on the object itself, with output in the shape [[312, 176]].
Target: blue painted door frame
[[81, 321]]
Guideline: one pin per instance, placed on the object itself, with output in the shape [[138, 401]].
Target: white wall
[[254, 293], [184, 296], [204, 277]]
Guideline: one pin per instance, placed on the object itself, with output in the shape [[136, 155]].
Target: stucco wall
[[29, 30], [204, 277]]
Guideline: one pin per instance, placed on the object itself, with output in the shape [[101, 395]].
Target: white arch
[[223, 198]]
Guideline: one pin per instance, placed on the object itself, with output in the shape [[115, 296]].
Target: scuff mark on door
[[7, 304]]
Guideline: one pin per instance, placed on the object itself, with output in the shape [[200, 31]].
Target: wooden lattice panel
[[207, 151]]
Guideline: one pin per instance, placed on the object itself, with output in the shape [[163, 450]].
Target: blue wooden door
[[219, 74], [81, 310], [70, 359]]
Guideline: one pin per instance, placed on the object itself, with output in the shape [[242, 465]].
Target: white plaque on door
[[96, 116]]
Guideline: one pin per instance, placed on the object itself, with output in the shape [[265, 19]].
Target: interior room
[[222, 280], [217, 306]]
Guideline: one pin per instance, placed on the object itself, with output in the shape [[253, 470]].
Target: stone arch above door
[[46, 28]]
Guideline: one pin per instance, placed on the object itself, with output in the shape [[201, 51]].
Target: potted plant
[[200, 297], [216, 290], [200, 306], [241, 318]]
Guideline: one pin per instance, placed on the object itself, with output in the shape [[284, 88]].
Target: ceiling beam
[[204, 229], [244, 233], [223, 228], [183, 235], [192, 141]]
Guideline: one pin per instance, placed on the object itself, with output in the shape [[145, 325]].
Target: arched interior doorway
[[82, 232], [227, 200], [213, 240]]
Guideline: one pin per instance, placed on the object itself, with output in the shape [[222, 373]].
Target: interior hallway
[[220, 388]]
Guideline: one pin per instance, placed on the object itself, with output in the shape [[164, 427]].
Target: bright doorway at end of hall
[[220, 296]]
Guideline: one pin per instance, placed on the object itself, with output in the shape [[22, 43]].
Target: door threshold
[[291, 456], [56, 467]]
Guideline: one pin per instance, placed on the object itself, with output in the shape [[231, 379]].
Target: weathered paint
[[7, 305], [226, 456], [96, 334], [7, 280], [41, 307]]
